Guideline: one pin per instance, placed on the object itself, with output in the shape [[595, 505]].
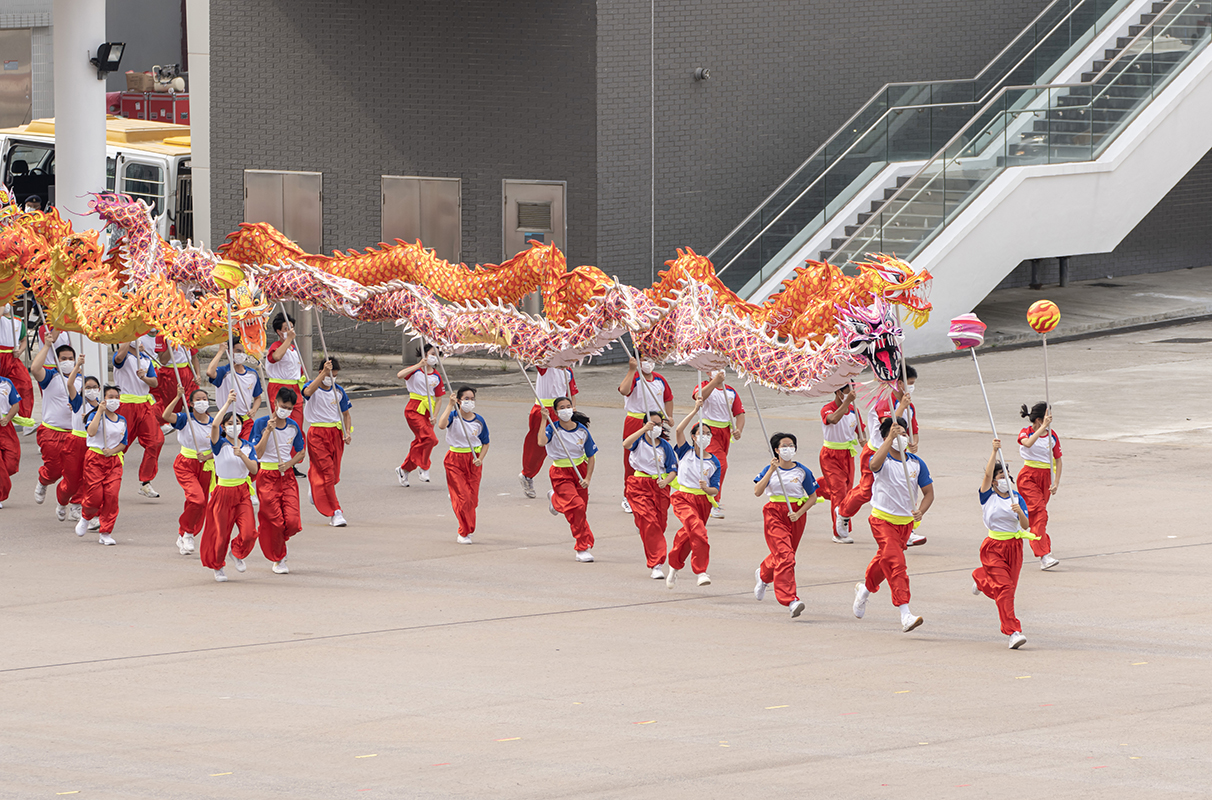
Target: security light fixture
[[702, 74], [109, 56]]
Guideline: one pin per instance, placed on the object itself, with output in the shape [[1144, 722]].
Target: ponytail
[[1036, 412]]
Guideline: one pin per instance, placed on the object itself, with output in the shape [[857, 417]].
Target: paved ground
[[394, 663]]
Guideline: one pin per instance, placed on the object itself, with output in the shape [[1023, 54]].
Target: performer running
[[652, 459], [467, 443], [230, 504], [696, 485], [424, 388], [279, 447], [795, 485], [194, 466], [11, 335], [724, 417], [572, 460], [107, 443], [653, 394], [73, 467], [136, 377], [330, 428], [237, 377], [10, 446], [1001, 552], [283, 365], [893, 512], [551, 383], [173, 362], [1035, 480], [840, 434], [55, 440]]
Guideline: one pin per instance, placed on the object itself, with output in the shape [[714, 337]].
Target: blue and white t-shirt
[[794, 484]]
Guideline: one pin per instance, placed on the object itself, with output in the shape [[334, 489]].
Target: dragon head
[[873, 337], [895, 280], [249, 314]]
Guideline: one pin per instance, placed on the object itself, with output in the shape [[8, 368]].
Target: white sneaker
[[976, 590], [1017, 640], [671, 578], [28, 430], [105, 538], [915, 539], [842, 539], [181, 545], [657, 574], [310, 499], [60, 512], [909, 622], [841, 529], [240, 565], [280, 567], [220, 575], [861, 595], [550, 505], [188, 541], [704, 579], [402, 475], [626, 505], [759, 588], [1048, 562], [165, 428], [584, 556], [464, 540], [82, 527], [39, 493], [338, 519], [797, 608], [73, 512], [527, 485], [94, 524], [146, 490], [423, 474], [717, 512]]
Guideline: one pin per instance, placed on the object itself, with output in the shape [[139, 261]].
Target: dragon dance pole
[[770, 444], [905, 395], [967, 332], [67, 393], [320, 328], [556, 424], [231, 363], [1043, 316], [458, 411]]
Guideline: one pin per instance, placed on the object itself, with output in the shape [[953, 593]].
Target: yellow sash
[[779, 499], [710, 423], [50, 427], [207, 466], [1037, 465], [677, 487], [1003, 536], [852, 446], [120, 456], [547, 403], [895, 519], [563, 462], [635, 415], [232, 481], [81, 434], [135, 398], [424, 398], [24, 422], [325, 424], [463, 450]]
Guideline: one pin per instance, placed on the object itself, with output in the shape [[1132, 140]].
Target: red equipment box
[[156, 106]]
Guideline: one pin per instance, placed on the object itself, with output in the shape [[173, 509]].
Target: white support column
[[79, 26], [197, 20]]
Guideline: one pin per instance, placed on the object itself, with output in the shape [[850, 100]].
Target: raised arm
[[877, 460], [314, 386], [636, 436], [680, 431], [216, 425], [444, 420], [37, 368], [628, 382], [170, 414], [843, 408], [987, 481], [212, 369]]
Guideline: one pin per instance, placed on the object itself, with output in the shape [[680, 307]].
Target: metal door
[[16, 77], [532, 211], [428, 209]]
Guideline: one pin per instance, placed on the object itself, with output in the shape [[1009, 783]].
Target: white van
[[147, 160]]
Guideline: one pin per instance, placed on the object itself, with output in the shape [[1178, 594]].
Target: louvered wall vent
[[534, 216]]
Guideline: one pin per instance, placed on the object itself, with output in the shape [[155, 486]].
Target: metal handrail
[[942, 151], [787, 207]]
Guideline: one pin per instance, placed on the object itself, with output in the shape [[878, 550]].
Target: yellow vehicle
[[146, 160]]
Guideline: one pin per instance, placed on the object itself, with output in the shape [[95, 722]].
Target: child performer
[[424, 388], [639, 401], [840, 435], [572, 461], [11, 334], [330, 428], [1035, 479], [83, 404], [651, 460], [55, 440], [550, 384], [279, 447], [194, 466], [283, 366], [1001, 553], [467, 443], [724, 417], [697, 485], [893, 512], [136, 377], [107, 442], [795, 485], [236, 377], [230, 504], [10, 446]]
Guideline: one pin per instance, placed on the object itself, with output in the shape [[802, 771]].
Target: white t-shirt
[[425, 384], [1038, 452], [692, 469], [889, 492], [721, 405], [126, 373], [842, 431], [575, 444], [191, 434], [8, 396], [796, 482], [998, 511], [658, 459], [288, 368], [10, 332], [283, 442], [463, 433], [246, 386], [56, 408], [325, 405], [78, 410], [648, 395], [114, 432], [228, 465], [552, 383]]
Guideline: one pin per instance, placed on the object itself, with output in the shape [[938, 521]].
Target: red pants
[[12, 368], [650, 511], [142, 424], [837, 479], [859, 495], [228, 506], [166, 389], [195, 483], [71, 488], [889, 561], [10, 459], [533, 455], [997, 577], [56, 450], [463, 485], [721, 439], [571, 499], [424, 438], [102, 482], [783, 538], [325, 447], [630, 426], [278, 518], [246, 426], [692, 511], [296, 413], [1035, 485]]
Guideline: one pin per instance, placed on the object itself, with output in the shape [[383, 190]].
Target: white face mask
[[786, 453], [112, 403], [647, 366], [703, 441], [909, 389], [655, 433], [92, 394], [1003, 485], [201, 406], [717, 373], [327, 382], [283, 413], [238, 359], [900, 443], [468, 405], [233, 430], [66, 367], [565, 414], [431, 360]]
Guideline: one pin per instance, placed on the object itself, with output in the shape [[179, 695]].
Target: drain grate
[[1184, 340], [1105, 285]]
